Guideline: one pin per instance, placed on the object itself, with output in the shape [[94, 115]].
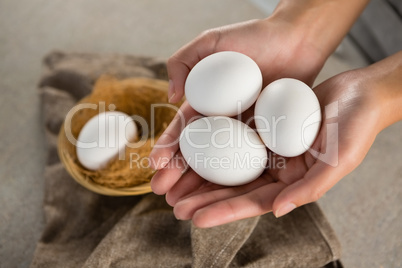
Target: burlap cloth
[[84, 229]]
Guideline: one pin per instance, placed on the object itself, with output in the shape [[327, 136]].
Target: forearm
[[321, 23]]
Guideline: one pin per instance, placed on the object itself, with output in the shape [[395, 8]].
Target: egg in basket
[[94, 154]]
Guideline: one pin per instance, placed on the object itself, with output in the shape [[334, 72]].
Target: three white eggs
[[287, 115]]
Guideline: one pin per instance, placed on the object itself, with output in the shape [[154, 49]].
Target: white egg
[[288, 117], [223, 150], [103, 137], [224, 83]]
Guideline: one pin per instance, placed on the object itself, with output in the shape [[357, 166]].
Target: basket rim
[[140, 189], [143, 188]]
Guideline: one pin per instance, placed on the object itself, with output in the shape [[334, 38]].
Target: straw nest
[[134, 97]]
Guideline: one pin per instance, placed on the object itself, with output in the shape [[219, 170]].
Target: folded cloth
[[85, 229]]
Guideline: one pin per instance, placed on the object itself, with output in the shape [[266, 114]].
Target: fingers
[[189, 183], [178, 72], [333, 156], [316, 182], [165, 178], [180, 63], [253, 203], [168, 143], [187, 206]]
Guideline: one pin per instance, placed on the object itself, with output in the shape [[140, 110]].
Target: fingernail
[[284, 210], [170, 90]]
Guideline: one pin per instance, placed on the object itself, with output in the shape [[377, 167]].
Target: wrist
[[384, 77], [389, 74], [322, 24]]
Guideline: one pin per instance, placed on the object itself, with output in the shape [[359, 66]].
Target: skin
[[365, 100], [294, 41]]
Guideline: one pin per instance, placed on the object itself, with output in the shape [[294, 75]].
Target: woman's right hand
[[294, 41], [277, 46]]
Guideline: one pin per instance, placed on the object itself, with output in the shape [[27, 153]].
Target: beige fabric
[[84, 229]]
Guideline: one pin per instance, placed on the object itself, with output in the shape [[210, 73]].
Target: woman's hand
[[294, 42], [278, 47], [357, 105]]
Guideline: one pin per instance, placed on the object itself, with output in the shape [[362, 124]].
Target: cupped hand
[[279, 47], [353, 105], [356, 106]]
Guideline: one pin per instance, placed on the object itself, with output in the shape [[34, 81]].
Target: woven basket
[[142, 92]]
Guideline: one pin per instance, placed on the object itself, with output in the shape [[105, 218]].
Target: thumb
[[178, 72], [317, 181], [180, 64]]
